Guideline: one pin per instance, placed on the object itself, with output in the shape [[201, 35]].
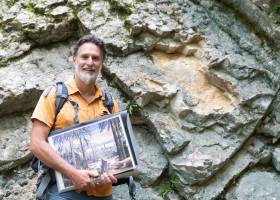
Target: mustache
[[87, 78]]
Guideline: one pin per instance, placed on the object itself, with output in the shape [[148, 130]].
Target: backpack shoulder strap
[[61, 96], [108, 102]]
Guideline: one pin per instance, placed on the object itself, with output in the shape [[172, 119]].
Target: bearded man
[[88, 57]]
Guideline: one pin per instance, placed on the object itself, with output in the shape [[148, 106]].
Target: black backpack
[[47, 175]]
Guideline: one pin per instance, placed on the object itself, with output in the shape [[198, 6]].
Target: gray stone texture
[[276, 159], [14, 141], [200, 78], [24, 80], [257, 185], [271, 126]]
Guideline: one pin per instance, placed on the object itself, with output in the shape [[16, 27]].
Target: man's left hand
[[104, 179], [107, 178]]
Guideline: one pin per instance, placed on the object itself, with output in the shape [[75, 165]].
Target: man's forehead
[[89, 48]]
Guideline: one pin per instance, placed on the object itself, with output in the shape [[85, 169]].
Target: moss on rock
[[120, 8], [10, 3]]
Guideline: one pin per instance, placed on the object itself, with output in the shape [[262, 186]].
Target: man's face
[[88, 63]]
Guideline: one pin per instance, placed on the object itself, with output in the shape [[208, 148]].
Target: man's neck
[[86, 90]]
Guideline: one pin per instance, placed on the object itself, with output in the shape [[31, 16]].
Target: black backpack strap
[[61, 96], [132, 188], [108, 102], [44, 181]]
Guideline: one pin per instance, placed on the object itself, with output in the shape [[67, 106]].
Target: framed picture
[[105, 144]]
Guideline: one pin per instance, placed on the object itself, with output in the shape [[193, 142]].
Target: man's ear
[[101, 67]]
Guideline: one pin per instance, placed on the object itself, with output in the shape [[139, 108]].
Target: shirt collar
[[72, 88]]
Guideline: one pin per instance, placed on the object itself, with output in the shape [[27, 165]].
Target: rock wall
[[200, 79]]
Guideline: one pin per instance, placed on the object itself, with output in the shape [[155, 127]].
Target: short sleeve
[[45, 109]]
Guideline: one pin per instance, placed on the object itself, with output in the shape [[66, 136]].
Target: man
[[88, 57]]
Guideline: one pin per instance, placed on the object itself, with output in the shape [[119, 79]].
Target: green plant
[[139, 1], [11, 3], [276, 11], [88, 7], [276, 8], [168, 187], [30, 7], [123, 10], [133, 108], [12, 93]]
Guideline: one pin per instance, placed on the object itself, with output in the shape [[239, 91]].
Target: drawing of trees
[[60, 142], [79, 135], [115, 126], [76, 146]]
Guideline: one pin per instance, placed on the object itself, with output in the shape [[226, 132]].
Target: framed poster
[[104, 144]]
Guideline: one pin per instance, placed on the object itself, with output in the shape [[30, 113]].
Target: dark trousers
[[52, 194]]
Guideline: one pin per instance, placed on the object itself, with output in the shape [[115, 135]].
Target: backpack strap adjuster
[[108, 102]]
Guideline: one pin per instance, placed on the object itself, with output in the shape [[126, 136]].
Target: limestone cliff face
[[200, 79]]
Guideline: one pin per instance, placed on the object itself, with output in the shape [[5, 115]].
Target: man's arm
[[40, 147]]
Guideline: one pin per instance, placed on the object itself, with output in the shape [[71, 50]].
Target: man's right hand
[[81, 179]]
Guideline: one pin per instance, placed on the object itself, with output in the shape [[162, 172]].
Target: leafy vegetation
[[122, 10], [276, 8], [139, 1], [134, 109], [276, 11], [12, 93], [170, 186], [30, 7], [11, 3], [88, 7]]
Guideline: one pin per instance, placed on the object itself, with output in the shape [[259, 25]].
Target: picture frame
[[105, 144]]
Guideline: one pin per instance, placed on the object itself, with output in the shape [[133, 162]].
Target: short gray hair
[[90, 39]]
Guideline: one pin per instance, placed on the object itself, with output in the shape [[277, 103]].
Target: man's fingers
[[83, 182], [113, 179], [108, 178], [93, 173], [92, 185], [105, 179]]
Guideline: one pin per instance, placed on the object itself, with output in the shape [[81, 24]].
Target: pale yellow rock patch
[[190, 73]]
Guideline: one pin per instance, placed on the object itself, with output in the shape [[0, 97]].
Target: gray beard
[[87, 78]]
